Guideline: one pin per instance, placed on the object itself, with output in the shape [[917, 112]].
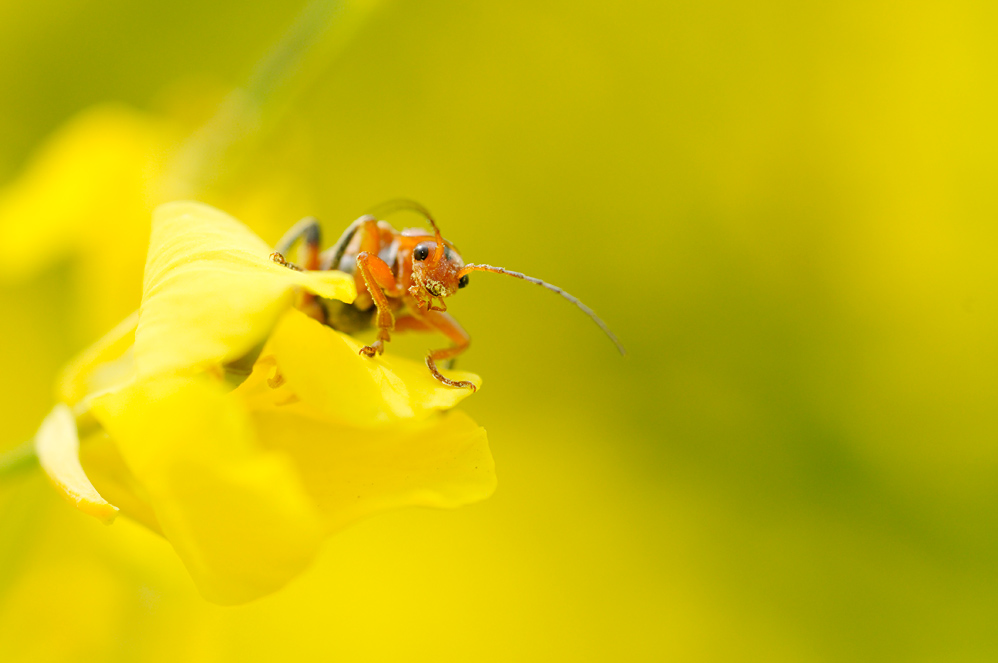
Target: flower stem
[[285, 59], [322, 29], [18, 459]]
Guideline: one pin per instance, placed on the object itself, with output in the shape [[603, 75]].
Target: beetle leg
[[309, 232], [333, 256], [279, 258], [378, 278], [450, 327], [412, 323]]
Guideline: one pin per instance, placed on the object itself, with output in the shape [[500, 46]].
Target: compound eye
[[463, 281], [421, 252]]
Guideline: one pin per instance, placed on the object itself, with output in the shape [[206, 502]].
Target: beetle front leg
[[378, 278], [456, 333]]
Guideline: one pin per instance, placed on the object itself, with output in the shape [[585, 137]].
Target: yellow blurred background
[[785, 211]]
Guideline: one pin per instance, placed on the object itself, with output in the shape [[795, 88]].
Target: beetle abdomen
[[347, 318]]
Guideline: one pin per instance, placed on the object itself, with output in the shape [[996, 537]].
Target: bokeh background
[[786, 211]]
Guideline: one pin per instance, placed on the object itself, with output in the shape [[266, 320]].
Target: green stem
[[320, 32], [287, 56], [18, 459]]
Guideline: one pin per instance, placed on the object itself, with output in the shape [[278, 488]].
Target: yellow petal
[[325, 369], [237, 515], [211, 292], [57, 445], [351, 473], [106, 363], [109, 474]]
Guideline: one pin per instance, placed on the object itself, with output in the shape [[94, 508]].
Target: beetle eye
[[463, 281], [421, 252]]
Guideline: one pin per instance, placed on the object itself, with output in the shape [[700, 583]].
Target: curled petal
[[57, 444], [102, 366], [326, 371], [211, 292], [109, 474]]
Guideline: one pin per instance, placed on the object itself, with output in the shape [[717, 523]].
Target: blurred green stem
[[18, 459], [321, 30], [287, 56]]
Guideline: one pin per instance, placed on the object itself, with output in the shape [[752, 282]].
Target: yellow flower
[[245, 482], [81, 196]]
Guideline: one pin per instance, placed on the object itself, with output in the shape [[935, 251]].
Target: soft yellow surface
[[104, 365], [324, 367], [441, 462], [239, 519], [240, 492]]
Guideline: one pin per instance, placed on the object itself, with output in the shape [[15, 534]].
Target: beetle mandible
[[398, 274]]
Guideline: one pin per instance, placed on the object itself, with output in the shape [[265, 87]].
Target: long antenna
[[585, 309]]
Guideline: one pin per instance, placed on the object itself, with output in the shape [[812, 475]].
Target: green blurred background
[[787, 213]]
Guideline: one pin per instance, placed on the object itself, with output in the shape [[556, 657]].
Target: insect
[[398, 274]]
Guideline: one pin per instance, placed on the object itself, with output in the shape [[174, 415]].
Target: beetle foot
[[376, 348], [279, 258], [460, 384]]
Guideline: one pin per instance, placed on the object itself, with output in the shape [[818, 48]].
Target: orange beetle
[[399, 274]]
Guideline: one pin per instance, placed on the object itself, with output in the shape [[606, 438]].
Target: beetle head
[[436, 265], [436, 268]]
